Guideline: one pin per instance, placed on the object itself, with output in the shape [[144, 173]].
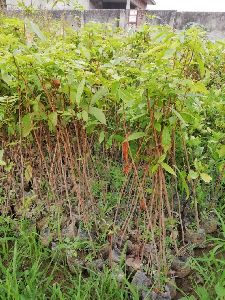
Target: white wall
[[46, 4]]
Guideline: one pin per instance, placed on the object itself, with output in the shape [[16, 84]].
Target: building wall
[[44, 4], [87, 4], [213, 22]]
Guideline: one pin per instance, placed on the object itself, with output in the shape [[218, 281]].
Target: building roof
[[140, 3]]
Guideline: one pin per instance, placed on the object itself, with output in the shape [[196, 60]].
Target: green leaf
[[110, 141], [85, 52], [162, 158], [35, 28], [184, 184], [2, 163], [73, 93], [201, 65], [169, 53], [193, 175], [84, 115], [101, 137], [28, 173], [166, 139], [205, 177], [98, 114], [202, 293], [220, 290], [157, 115], [118, 138], [80, 90], [136, 135], [188, 298], [157, 126], [154, 168], [168, 168], [99, 94], [199, 87], [6, 77], [27, 124], [179, 116], [52, 120], [221, 151]]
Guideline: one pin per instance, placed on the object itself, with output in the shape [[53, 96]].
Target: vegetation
[[111, 144]]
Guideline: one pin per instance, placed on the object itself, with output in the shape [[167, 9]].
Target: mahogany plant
[[151, 101]]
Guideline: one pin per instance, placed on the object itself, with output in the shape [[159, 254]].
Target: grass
[[210, 268], [30, 271]]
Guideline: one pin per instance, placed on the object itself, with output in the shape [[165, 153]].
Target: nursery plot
[[112, 153]]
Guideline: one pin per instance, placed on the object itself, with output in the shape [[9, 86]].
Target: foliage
[[116, 126]]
